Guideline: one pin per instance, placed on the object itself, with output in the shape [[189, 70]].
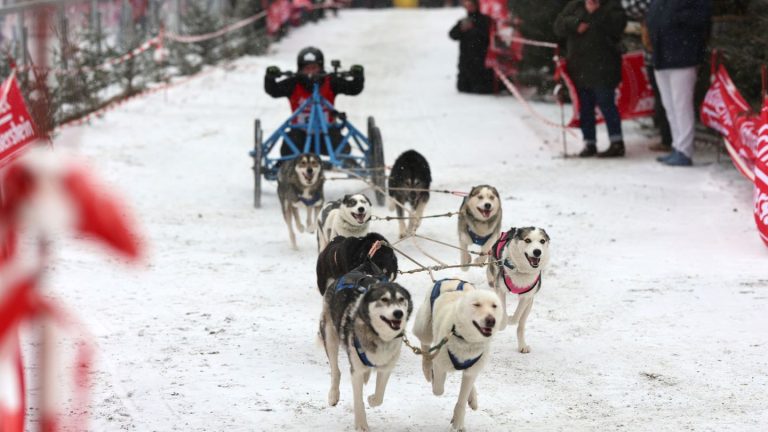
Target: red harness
[[497, 250]]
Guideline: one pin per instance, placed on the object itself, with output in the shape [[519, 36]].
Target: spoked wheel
[[376, 161], [256, 155]]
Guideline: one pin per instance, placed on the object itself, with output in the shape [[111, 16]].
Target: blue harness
[[361, 353], [477, 239], [309, 202], [458, 365], [436, 290]]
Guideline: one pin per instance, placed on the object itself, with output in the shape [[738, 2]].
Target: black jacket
[[679, 30], [339, 85], [594, 57], [473, 43]]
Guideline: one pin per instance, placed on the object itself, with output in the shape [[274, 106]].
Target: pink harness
[[498, 248]]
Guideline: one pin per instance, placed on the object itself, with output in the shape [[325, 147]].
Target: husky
[[344, 254], [461, 321], [409, 183], [300, 184], [516, 262], [479, 221], [347, 217], [366, 316]]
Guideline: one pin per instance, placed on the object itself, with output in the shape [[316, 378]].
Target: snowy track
[[652, 314]]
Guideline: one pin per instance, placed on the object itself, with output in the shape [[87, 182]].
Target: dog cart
[[356, 155]]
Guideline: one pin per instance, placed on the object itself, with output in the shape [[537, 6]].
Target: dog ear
[[495, 191], [544, 233]]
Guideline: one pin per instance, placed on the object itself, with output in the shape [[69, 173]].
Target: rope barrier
[[206, 36], [516, 93]]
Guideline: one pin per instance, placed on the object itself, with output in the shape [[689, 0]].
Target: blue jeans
[[604, 99]]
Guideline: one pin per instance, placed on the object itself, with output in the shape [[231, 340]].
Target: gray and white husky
[[459, 321], [346, 217], [300, 184], [479, 221], [517, 260], [367, 318]]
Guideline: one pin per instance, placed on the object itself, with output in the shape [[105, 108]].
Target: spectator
[[473, 34], [593, 30], [636, 10], [298, 88], [678, 32]]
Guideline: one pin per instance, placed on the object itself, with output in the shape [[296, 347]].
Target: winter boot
[[615, 150], [678, 159], [590, 149]]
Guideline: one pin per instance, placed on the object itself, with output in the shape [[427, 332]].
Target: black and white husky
[[517, 260], [409, 183], [479, 221], [346, 217], [366, 317], [458, 322], [300, 184]]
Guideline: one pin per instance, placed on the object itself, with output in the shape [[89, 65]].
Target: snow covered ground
[[652, 314]]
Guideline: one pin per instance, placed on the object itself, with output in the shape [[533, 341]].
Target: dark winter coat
[[594, 57], [473, 43], [679, 30]]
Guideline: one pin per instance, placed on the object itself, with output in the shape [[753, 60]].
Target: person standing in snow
[[298, 88], [593, 29], [678, 30], [636, 10], [473, 33]]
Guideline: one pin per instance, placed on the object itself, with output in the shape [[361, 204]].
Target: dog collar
[[459, 365], [514, 289], [361, 353], [478, 239], [436, 291]]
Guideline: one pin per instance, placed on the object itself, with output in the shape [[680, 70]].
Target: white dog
[[460, 321], [347, 217], [479, 221], [520, 255]]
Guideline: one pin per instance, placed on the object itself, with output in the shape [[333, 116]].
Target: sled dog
[[479, 220], [300, 184], [409, 183], [346, 217]]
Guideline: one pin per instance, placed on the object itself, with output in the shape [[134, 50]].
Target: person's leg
[[606, 100], [682, 83], [587, 121], [463, 83], [665, 91], [659, 115]]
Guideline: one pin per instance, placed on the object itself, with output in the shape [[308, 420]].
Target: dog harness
[[477, 238], [309, 202], [361, 353], [436, 290], [497, 251], [461, 365]]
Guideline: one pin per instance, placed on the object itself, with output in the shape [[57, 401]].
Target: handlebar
[[342, 74]]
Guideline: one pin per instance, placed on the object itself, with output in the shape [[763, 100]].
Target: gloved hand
[[356, 70], [273, 71]]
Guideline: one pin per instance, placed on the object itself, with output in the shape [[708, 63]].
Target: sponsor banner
[[16, 127]]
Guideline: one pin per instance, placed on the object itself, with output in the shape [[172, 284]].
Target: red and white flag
[[16, 127], [761, 175]]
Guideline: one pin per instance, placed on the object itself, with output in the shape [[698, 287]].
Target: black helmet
[[310, 55]]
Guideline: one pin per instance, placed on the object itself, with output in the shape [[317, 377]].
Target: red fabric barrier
[[761, 176]]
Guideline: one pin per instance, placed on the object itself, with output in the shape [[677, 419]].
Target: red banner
[[761, 176], [278, 13], [16, 127], [726, 111], [634, 97]]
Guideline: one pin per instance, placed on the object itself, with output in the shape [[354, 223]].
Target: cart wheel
[[378, 176], [371, 125], [256, 154]]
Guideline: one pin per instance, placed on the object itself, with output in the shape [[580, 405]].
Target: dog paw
[[333, 397], [457, 427], [373, 401], [300, 227], [311, 229], [525, 349], [362, 427], [472, 402]]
